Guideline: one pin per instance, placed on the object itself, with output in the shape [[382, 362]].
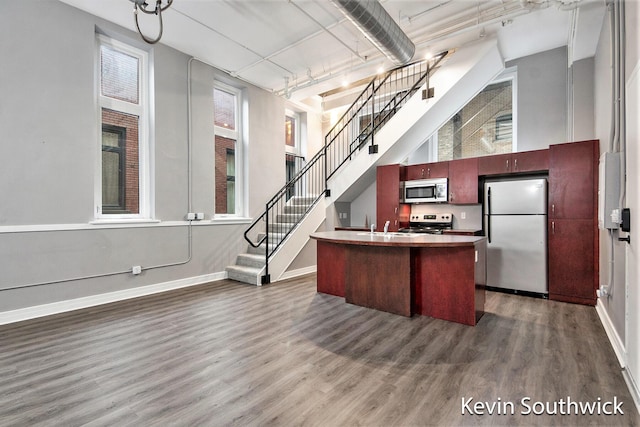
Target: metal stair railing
[[377, 104]]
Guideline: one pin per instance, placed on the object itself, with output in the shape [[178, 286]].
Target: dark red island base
[[440, 276]]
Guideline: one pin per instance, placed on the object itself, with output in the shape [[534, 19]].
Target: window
[[122, 97], [482, 127], [293, 160], [504, 127], [227, 155], [290, 131]]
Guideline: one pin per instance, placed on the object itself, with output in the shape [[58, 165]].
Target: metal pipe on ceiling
[[379, 27]]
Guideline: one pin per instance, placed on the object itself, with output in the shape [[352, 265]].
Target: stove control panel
[[432, 218]]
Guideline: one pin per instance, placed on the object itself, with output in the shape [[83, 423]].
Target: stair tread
[[246, 269], [248, 255]]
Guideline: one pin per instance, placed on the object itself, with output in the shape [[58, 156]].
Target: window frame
[[237, 135], [143, 111]]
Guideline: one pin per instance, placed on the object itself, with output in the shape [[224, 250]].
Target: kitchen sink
[[389, 234]]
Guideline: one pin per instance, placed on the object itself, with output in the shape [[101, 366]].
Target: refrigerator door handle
[[489, 214]]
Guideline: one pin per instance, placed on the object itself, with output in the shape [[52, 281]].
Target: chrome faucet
[[373, 228], [386, 227]]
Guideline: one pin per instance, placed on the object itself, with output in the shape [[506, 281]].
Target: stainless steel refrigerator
[[515, 223]]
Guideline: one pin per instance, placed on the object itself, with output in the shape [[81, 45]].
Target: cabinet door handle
[[553, 209], [515, 165], [395, 210], [507, 164], [422, 172], [429, 173], [553, 227], [451, 197]]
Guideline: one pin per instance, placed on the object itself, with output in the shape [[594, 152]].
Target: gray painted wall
[[49, 116], [542, 99], [582, 91]]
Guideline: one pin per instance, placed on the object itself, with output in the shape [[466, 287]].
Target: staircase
[[250, 266]]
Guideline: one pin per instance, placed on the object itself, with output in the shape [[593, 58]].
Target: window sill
[[231, 220], [124, 221]]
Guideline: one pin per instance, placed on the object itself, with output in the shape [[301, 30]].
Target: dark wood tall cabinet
[[572, 228], [388, 195]]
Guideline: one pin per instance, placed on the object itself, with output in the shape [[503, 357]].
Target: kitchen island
[[442, 276]]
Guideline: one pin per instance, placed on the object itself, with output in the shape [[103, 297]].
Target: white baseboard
[[633, 388], [290, 274], [614, 338], [94, 300]]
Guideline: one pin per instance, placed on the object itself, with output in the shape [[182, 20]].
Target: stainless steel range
[[428, 223]]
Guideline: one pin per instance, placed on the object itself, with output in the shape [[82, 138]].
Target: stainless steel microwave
[[425, 191]]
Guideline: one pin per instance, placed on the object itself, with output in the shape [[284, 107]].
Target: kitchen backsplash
[[466, 217]]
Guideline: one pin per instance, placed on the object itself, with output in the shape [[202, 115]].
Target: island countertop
[[366, 238], [441, 276]]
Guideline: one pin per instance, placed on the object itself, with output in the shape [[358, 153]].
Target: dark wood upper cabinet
[[494, 165], [525, 161], [530, 161], [573, 180], [463, 181], [427, 170]]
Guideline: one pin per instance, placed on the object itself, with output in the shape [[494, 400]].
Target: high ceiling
[[300, 48]]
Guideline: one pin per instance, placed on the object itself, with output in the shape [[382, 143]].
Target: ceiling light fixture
[[143, 6]]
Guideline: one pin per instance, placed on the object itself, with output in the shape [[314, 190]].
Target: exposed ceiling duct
[[379, 27]]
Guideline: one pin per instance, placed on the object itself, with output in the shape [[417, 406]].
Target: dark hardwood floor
[[232, 354]]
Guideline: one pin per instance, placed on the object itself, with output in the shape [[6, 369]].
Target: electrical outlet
[[200, 215], [191, 216], [136, 269], [615, 216], [463, 215]]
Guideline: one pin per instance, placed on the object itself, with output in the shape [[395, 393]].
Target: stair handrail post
[[266, 278], [325, 161], [373, 108]]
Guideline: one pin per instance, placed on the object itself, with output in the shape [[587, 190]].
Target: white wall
[[615, 304], [48, 113], [620, 309], [632, 70], [364, 207]]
